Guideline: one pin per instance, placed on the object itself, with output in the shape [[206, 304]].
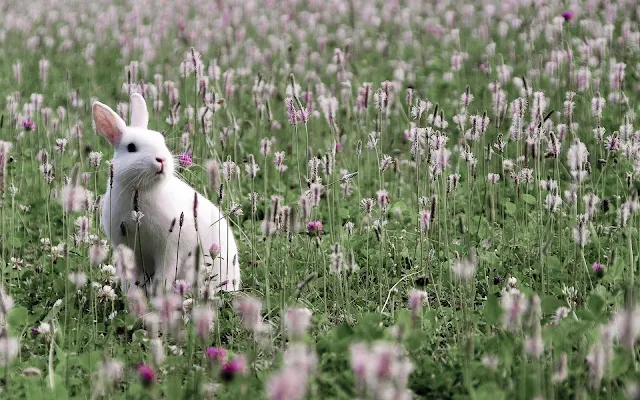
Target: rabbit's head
[[141, 155]]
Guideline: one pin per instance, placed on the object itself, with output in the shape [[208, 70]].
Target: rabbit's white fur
[[164, 250]]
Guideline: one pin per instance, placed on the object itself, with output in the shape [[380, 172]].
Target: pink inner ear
[[106, 124]]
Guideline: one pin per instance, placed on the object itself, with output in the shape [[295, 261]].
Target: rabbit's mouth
[[161, 171]]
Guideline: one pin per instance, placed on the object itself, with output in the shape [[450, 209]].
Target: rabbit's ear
[[139, 113], [108, 123]]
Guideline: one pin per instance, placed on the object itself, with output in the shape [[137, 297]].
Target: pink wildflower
[[598, 269], [291, 111], [416, 299], [296, 321], [28, 125], [167, 306], [250, 311], [235, 367], [203, 320], [181, 287], [147, 376], [567, 15], [215, 250], [185, 159], [217, 355], [315, 227], [288, 384], [137, 301]]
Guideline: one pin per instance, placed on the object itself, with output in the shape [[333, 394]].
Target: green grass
[[459, 327]]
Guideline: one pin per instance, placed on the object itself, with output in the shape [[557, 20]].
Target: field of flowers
[[430, 199]]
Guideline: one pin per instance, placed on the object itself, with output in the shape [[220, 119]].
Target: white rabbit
[[164, 250]]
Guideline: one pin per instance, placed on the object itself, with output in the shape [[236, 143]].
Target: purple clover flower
[[185, 159]]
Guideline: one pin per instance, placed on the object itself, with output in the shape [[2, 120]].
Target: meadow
[[431, 199]]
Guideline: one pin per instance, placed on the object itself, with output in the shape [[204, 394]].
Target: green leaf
[[14, 242], [89, 360], [529, 199], [620, 364], [489, 391], [596, 304], [430, 316], [553, 263], [18, 316], [618, 267], [261, 375], [129, 320], [403, 319], [484, 232], [343, 213], [509, 208], [59, 391], [64, 361], [173, 387], [400, 205], [370, 326], [33, 388], [550, 304], [490, 258], [585, 315], [481, 225], [492, 310]]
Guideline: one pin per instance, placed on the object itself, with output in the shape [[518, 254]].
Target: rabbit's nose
[[160, 160]]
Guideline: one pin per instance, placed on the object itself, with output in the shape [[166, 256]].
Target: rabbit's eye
[[131, 148]]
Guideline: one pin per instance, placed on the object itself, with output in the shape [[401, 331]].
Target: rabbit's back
[[214, 238], [165, 234]]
